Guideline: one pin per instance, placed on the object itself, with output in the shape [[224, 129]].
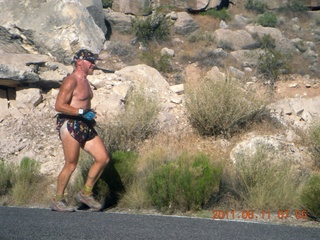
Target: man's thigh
[[96, 148], [71, 147]]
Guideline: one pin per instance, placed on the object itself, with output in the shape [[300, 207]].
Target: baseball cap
[[85, 54]]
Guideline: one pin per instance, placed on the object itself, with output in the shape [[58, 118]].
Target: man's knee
[[71, 167], [105, 160]]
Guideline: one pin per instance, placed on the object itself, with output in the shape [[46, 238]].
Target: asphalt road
[[32, 223]]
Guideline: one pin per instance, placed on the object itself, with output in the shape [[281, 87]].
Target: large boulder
[[297, 112], [282, 43], [53, 27], [26, 69], [235, 40], [137, 7], [95, 9], [184, 24]]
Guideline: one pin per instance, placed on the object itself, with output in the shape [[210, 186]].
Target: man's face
[[87, 66]]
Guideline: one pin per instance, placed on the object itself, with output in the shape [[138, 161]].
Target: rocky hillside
[[39, 38]]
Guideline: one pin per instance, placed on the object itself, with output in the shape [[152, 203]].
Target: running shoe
[[89, 201], [61, 206]]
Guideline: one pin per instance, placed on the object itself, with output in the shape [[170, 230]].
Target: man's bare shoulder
[[69, 80]]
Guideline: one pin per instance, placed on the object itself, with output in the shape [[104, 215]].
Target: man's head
[[85, 54]]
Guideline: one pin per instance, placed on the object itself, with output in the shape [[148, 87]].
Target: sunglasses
[[91, 60]]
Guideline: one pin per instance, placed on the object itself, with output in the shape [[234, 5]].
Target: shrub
[[266, 181], [124, 51], [107, 3], [6, 177], [256, 6], [153, 28], [310, 196], [207, 57], [267, 42], [314, 139], [184, 184], [268, 19], [271, 63], [137, 123], [293, 6], [198, 36], [117, 177], [26, 177], [125, 164], [222, 14], [221, 107], [160, 62]]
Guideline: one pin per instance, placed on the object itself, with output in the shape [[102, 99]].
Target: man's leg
[[71, 149], [97, 149]]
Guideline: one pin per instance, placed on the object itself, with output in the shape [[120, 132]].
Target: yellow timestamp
[[256, 215]]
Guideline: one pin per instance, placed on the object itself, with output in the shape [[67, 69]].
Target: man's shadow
[[113, 180]]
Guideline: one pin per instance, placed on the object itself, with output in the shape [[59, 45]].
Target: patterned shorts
[[79, 128]]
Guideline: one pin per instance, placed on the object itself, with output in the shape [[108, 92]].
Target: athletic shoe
[[89, 201], [61, 206]]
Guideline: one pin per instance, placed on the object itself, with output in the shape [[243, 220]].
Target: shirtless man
[[75, 124]]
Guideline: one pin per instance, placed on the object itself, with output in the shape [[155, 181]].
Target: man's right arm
[[65, 95]]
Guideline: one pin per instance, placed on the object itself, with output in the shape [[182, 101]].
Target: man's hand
[[89, 114]]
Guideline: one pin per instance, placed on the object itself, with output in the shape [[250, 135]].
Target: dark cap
[[85, 54]]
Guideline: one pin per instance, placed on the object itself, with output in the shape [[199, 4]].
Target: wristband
[[80, 111]]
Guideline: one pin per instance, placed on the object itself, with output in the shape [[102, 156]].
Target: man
[[75, 124]]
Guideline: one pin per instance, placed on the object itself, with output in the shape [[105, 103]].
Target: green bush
[[222, 14], [152, 28], [271, 63], [267, 42], [6, 177], [221, 107], [265, 180], [26, 177], [107, 3], [310, 196], [256, 6], [199, 36], [314, 139], [125, 164], [293, 6], [117, 176], [268, 19], [160, 62], [135, 124], [184, 184]]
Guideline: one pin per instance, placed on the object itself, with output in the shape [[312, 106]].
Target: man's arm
[[65, 96]]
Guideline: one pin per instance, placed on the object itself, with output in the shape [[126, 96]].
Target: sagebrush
[[221, 107]]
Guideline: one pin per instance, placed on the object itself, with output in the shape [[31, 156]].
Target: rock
[[118, 21], [282, 43], [167, 51], [184, 24], [274, 144], [57, 28], [137, 7], [234, 40], [297, 112], [178, 89]]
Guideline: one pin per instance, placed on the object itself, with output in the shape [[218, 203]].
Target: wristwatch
[[81, 111]]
